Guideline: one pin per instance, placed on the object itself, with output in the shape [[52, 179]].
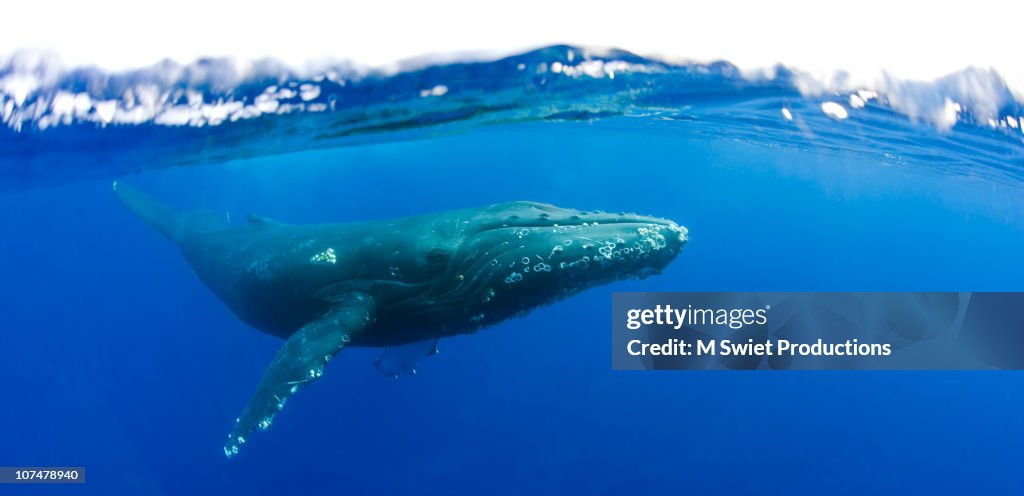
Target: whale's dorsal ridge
[[177, 226], [205, 221], [260, 221]]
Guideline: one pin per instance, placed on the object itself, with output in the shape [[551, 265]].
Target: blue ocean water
[[118, 359]]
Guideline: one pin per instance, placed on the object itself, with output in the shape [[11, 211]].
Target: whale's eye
[[438, 256]]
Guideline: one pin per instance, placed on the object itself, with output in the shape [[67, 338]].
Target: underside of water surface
[[62, 125]]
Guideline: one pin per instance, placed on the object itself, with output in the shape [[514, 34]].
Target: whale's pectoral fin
[[301, 360]]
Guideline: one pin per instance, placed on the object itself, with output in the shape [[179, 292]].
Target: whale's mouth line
[[601, 222]]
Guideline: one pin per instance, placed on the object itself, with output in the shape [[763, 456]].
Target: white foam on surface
[[932, 64], [834, 110]]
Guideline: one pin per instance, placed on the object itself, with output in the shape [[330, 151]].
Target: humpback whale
[[392, 282]]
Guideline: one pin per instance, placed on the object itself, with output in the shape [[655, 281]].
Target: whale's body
[[399, 281]]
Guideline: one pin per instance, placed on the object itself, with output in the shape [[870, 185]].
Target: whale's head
[[509, 258]]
